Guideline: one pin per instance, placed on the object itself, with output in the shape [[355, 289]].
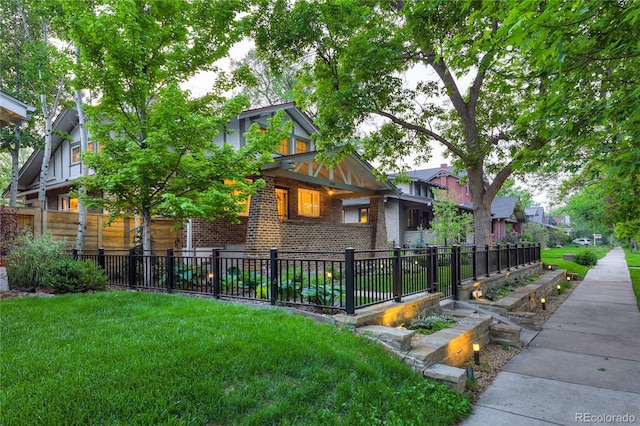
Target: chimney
[[444, 166]]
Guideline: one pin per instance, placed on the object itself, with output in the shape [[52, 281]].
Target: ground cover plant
[[140, 358], [428, 324], [510, 286], [553, 256], [633, 262]]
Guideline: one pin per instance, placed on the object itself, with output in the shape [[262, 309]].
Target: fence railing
[[336, 281]]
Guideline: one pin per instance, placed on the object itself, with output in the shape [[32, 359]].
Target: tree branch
[[450, 84], [423, 130], [474, 91]]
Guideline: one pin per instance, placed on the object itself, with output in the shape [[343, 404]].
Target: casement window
[[416, 217], [308, 202], [75, 154], [67, 204], [364, 215], [282, 196]]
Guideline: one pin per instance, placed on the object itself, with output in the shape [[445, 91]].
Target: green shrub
[[93, 276], [586, 258], [67, 275], [30, 258]]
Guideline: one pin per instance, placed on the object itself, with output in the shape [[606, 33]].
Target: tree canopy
[[156, 145]]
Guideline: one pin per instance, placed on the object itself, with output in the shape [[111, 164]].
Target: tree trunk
[[481, 207], [82, 191], [15, 168], [146, 244], [44, 168]]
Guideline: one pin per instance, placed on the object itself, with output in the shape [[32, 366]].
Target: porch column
[[263, 228], [377, 219]]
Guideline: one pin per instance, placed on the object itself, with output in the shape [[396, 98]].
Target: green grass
[[633, 262], [137, 358], [554, 256]]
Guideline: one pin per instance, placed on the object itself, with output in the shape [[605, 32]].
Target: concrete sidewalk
[[582, 367]]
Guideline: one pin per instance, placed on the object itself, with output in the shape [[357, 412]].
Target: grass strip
[[137, 358], [633, 262]]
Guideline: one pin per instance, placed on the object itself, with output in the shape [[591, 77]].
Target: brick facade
[[263, 230]]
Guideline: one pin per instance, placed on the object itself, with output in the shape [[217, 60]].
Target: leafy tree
[[587, 210], [587, 54], [511, 189], [32, 69], [266, 87], [157, 153], [450, 224], [629, 232], [467, 90]]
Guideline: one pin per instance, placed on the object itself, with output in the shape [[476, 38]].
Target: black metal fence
[[337, 281]]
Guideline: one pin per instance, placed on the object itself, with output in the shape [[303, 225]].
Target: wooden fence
[[119, 235]]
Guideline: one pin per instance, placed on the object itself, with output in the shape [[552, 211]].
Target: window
[[94, 147], [301, 146], [75, 154], [67, 204], [364, 215], [284, 147], [282, 196], [308, 203], [417, 218]]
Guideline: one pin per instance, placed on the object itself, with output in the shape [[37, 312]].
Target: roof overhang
[[351, 177], [13, 110]]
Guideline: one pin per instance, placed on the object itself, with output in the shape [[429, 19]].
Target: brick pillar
[[378, 221], [263, 228]]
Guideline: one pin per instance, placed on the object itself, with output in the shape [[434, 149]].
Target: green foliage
[[200, 362], [30, 259], [184, 276], [66, 275], [450, 224], [323, 290], [8, 229], [586, 258], [430, 323]]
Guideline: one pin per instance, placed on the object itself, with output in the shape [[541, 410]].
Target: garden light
[[544, 303], [559, 287], [476, 353]]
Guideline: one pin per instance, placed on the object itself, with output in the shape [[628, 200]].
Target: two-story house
[[300, 206]]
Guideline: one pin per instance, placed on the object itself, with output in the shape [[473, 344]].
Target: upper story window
[[308, 202], [284, 147], [301, 146], [75, 154]]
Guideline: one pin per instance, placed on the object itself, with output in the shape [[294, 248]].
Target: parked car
[[582, 241]]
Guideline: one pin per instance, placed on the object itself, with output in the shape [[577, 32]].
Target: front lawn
[[553, 256], [138, 358], [633, 262]]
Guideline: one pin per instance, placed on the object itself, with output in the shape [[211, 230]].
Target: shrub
[[586, 258], [67, 275], [30, 258]]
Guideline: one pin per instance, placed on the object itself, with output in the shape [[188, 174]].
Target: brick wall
[[217, 233], [330, 207], [315, 236], [263, 226]]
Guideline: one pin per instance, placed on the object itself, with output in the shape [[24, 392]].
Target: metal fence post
[[488, 259], [170, 270], [499, 248], [397, 275], [430, 270], [75, 254], [132, 268], [474, 259], [349, 260], [273, 265], [101, 260], [455, 271], [508, 256], [215, 272], [434, 268]]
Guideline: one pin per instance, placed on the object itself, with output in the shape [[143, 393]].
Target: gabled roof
[[534, 211], [349, 177], [65, 122], [427, 175], [504, 208], [290, 108]]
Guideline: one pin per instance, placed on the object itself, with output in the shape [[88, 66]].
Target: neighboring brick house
[[299, 207], [507, 217]]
